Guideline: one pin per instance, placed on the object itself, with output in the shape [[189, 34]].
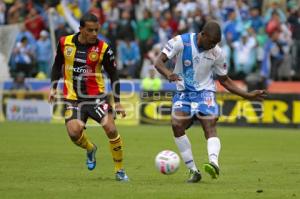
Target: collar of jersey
[[199, 49]]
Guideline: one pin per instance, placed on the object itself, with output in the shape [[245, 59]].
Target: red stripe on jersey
[[91, 83], [62, 48]]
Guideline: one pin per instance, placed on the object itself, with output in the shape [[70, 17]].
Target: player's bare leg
[[116, 146], [213, 145], [180, 121], [75, 129]]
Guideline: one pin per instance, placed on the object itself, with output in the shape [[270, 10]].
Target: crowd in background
[[261, 39]]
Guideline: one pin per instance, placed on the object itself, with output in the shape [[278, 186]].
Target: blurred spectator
[[172, 23], [109, 29], [255, 19], [73, 7], [198, 21], [111, 11], [25, 33], [24, 58], [127, 5], [96, 9], [16, 12], [164, 32], [233, 26], [158, 19], [273, 57], [44, 53], [145, 32], [186, 7], [130, 58], [61, 29], [126, 27], [243, 9], [244, 55], [84, 5], [151, 82], [7, 4], [164, 6], [34, 23], [19, 83], [294, 21], [2, 12], [274, 7]]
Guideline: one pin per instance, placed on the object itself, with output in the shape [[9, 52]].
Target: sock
[[184, 146], [116, 149], [84, 142], [213, 149]]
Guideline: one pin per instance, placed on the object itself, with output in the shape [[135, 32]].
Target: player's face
[[208, 42], [89, 32]]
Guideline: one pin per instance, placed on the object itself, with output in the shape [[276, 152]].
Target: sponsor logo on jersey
[[209, 101], [187, 62], [80, 60], [81, 52], [80, 69], [208, 58]]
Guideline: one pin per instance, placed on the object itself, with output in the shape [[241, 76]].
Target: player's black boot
[[195, 176]]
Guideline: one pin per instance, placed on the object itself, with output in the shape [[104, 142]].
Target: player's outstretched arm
[[258, 95], [161, 68]]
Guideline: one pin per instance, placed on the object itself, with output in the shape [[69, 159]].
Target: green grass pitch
[[39, 161]]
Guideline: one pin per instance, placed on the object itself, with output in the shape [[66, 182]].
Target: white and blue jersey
[[196, 67]]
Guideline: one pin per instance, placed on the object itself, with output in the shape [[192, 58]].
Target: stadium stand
[[260, 38]]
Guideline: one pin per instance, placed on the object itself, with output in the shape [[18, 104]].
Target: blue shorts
[[196, 102]]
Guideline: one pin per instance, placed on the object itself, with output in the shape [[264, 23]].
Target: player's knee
[[210, 133], [178, 127], [111, 132], [75, 130]]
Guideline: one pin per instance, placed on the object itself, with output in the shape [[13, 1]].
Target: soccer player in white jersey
[[198, 59]]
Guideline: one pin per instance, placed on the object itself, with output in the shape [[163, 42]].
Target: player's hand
[[120, 110], [174, 77], [258, 95], [51, 97]]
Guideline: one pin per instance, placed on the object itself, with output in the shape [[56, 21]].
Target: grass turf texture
[[39, 161]]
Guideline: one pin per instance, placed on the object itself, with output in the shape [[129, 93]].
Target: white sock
[[184, 146], [213, 149]]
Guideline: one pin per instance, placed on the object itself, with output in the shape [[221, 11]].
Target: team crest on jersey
[[209, 101], [93, 56], [69, 51], [187, 62]]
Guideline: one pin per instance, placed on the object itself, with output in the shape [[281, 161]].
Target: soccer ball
[[167, 162]]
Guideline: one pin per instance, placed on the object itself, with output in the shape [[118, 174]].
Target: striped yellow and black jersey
[[81, 68]]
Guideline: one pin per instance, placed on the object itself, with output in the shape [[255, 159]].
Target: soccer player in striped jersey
[[79, 60], [198, 60]]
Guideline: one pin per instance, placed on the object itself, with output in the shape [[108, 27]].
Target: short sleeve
[[220, 65], [173, 47]]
